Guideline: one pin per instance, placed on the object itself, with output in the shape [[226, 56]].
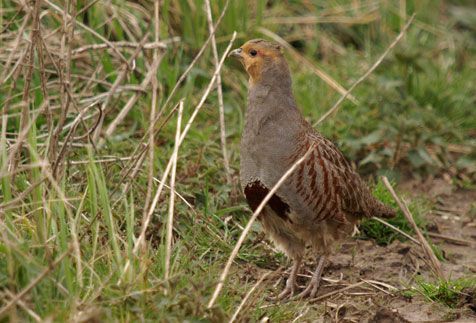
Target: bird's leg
[[290, 288], [311, 289]]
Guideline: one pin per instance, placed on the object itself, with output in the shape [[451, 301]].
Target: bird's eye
[[253, 52]]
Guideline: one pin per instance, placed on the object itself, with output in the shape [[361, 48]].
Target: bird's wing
[[329, 187]]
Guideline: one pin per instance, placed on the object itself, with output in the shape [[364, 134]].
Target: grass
[[381, 233], [451, 293], [66, 187]]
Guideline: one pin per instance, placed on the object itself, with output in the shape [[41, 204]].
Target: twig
[[243, 235], [336, 292], [170, 221], [366, 74], [252, 289], [220, 95], [397, 229], [435, 264], [323, 75], [450, 239], [375, 284]]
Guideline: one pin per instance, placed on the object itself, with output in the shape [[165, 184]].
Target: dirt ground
[[398, 264]]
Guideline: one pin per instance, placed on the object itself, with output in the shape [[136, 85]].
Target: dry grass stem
[[14, 300], [248, 294], [126, 44], [434, 262], [25, 307], [366, 74], [319, 298], [391, 226], [90, 30], [452, 240], [153, 110], [120, 77], [16, 43], [170, 220], [132, 100], [182, 137], [221, 108], [243, 235], [366, 18], [135, 164]]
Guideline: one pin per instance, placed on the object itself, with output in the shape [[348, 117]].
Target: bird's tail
[[384, 211]]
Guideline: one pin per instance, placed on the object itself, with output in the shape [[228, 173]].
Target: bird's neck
[[275, 78], [271, 108]]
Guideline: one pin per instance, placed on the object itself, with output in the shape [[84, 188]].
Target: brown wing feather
[[329, 185]]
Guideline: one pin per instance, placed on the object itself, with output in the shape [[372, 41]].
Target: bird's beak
[[236, 53]]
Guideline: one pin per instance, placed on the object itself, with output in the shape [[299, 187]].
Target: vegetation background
[[89, 96]]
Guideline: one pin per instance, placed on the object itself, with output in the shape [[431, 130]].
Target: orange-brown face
[[255, 55]]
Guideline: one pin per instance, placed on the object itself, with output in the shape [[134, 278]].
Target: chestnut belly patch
[[255, 192]]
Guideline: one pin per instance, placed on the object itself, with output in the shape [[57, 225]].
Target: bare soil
[[398, 264]]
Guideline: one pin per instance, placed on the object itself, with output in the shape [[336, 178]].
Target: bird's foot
[[310, 291], [288, 291]]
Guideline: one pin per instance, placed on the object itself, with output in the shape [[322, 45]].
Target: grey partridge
[[322, 200]]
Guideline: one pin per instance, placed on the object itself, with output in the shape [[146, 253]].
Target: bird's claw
[[310, 291], [288, 291]]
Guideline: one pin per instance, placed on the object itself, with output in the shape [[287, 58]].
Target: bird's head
[[262, 60]]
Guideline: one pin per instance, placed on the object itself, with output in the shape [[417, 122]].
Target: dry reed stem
[[247, 296], [434, 262], [221, 109], [243, 235], [302, 59], [366, 74], [170, 220], [391, 226]]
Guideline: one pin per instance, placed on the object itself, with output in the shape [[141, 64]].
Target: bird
[[318, 205]]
